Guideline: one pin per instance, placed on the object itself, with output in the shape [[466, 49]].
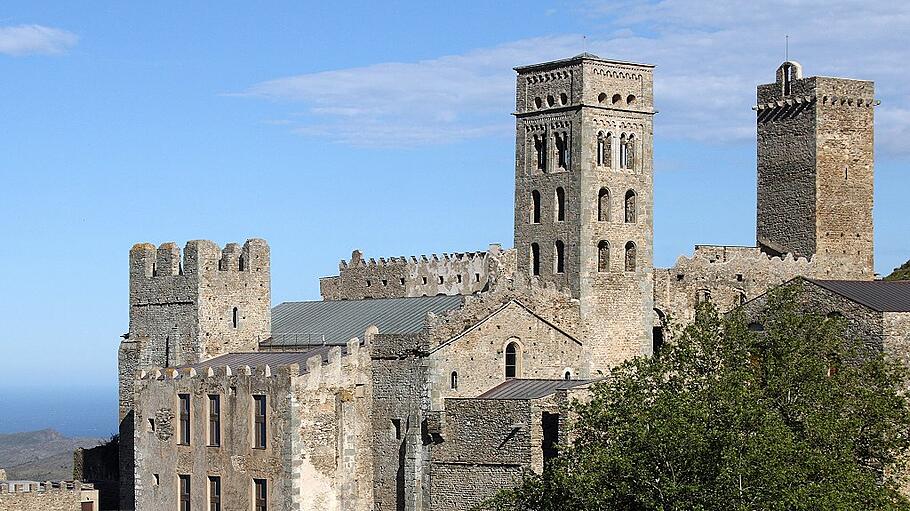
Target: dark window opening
[[458, 278], [512, 360], [235, 317], [630, 256], [476, 277], [788, 78], [454, 380], [550, 426], [441, 279], [214, 493], [385, 282], [401, 281], [657, 340], [424, 280], [560, 205], [559, 262], [535, 207], [261, 494], [756, 327], [631, 207], [603, 205], [600, 149], [562, 150], [185, 493], [630, 153], [568, 375], [214, 420], [535, 259], [184, 419], [151, 425], [369, 283], [242, 263], [540, 147], [603, 256], [259, 421]]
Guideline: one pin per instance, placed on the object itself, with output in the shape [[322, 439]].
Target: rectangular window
[[214, 420], [214, 493], [185, 493], [260, 495], [184, 419], [259, 424]]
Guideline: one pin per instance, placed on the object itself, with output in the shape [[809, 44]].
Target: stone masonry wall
[[160, 458], [449, 274], [65, 496], [897, 335]]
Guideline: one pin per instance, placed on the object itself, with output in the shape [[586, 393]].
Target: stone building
[[429, 382], [47, 496]]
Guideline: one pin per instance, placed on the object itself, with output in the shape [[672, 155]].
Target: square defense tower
[[583, 194], [815, 171]]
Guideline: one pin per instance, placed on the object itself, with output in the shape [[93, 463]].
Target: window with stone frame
[[600, 149], [630, 256], [603, 256], [214, 420], [214, 493], [559, 257], [453, 380], [184, 419], [535, 259], [622, 151], [260, 495], [512, 360], [185, 492], [535, 207], [631, 207], [260, 424], [603, 205], [630, 153], [540, 150]]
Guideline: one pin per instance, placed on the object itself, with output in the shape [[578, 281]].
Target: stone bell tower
[[583, 194], [815, 171]]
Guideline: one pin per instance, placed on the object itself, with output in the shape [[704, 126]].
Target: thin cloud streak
[[23, 40], [709, 61]]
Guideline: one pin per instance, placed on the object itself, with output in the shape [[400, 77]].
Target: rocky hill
[[40, 455], [902, 273]]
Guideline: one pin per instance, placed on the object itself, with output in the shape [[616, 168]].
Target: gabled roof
[[497, 311], [336, 322], [879, 295], [530, 389]]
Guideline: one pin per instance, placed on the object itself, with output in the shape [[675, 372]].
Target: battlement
[[199, 256], [44, 487], [424, 275]]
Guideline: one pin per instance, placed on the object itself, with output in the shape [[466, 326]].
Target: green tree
[[798, 416], [900, 273]]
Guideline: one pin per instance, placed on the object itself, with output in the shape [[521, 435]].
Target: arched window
[[540, 148], [657, 332], [559, 259], [603, 256], [603, 205], [616, 99], [600, 148], [512, 354], [608, 150], [242, 262], [568, 375], [560, 213], [454, 380], [630, 207], [535, 207], [622, 151], [562, 150], [630, 152], [630, 256], [235, 317], [535, 259]]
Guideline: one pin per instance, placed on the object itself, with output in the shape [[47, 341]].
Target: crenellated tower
[[189, 309], [815, 171], [583, 194]]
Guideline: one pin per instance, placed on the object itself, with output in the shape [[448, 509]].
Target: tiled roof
[[529, 389], [879, 295], [272, 359], [336, 322]]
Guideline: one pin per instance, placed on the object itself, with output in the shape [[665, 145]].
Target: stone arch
[[603, 205], [630, 256]]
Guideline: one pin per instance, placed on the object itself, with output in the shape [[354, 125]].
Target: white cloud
[[35, 39], [709, 57]]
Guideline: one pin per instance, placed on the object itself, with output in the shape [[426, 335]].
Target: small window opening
[[630, 99], [476, 277], [559, 262], [562, 150], [560, 204], [454, 380], [535, 259], [184, 419], [157, 479], [600, 149], [385, 282], [602, 97], [630, 207], [538, 102], [396, 428], [458, 278], [630, 256], [535, 207], [214, 493], [630, 153], [616, 99], [440, 279], [568, 375], [424, 280], [788, 78], [603, 256], [261, 495], [185, 493], [151, 425], [550, 101], [702, 296], [540, 147], [603, 205], [369, 283], [214, 420], [242, 263], [401, 281], [512, 360], [260, 426], [623, 147], [563, 98], [680, 277], [235, 317]]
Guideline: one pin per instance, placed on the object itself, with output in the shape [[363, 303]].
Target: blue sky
[[384, 126]]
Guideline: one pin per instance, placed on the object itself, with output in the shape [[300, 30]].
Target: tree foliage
[[900, 273], [798, 416]]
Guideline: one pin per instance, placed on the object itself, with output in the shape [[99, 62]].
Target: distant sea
[[83, 412]]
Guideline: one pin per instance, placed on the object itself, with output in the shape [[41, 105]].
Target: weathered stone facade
[[48, 496], [441, 407]]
